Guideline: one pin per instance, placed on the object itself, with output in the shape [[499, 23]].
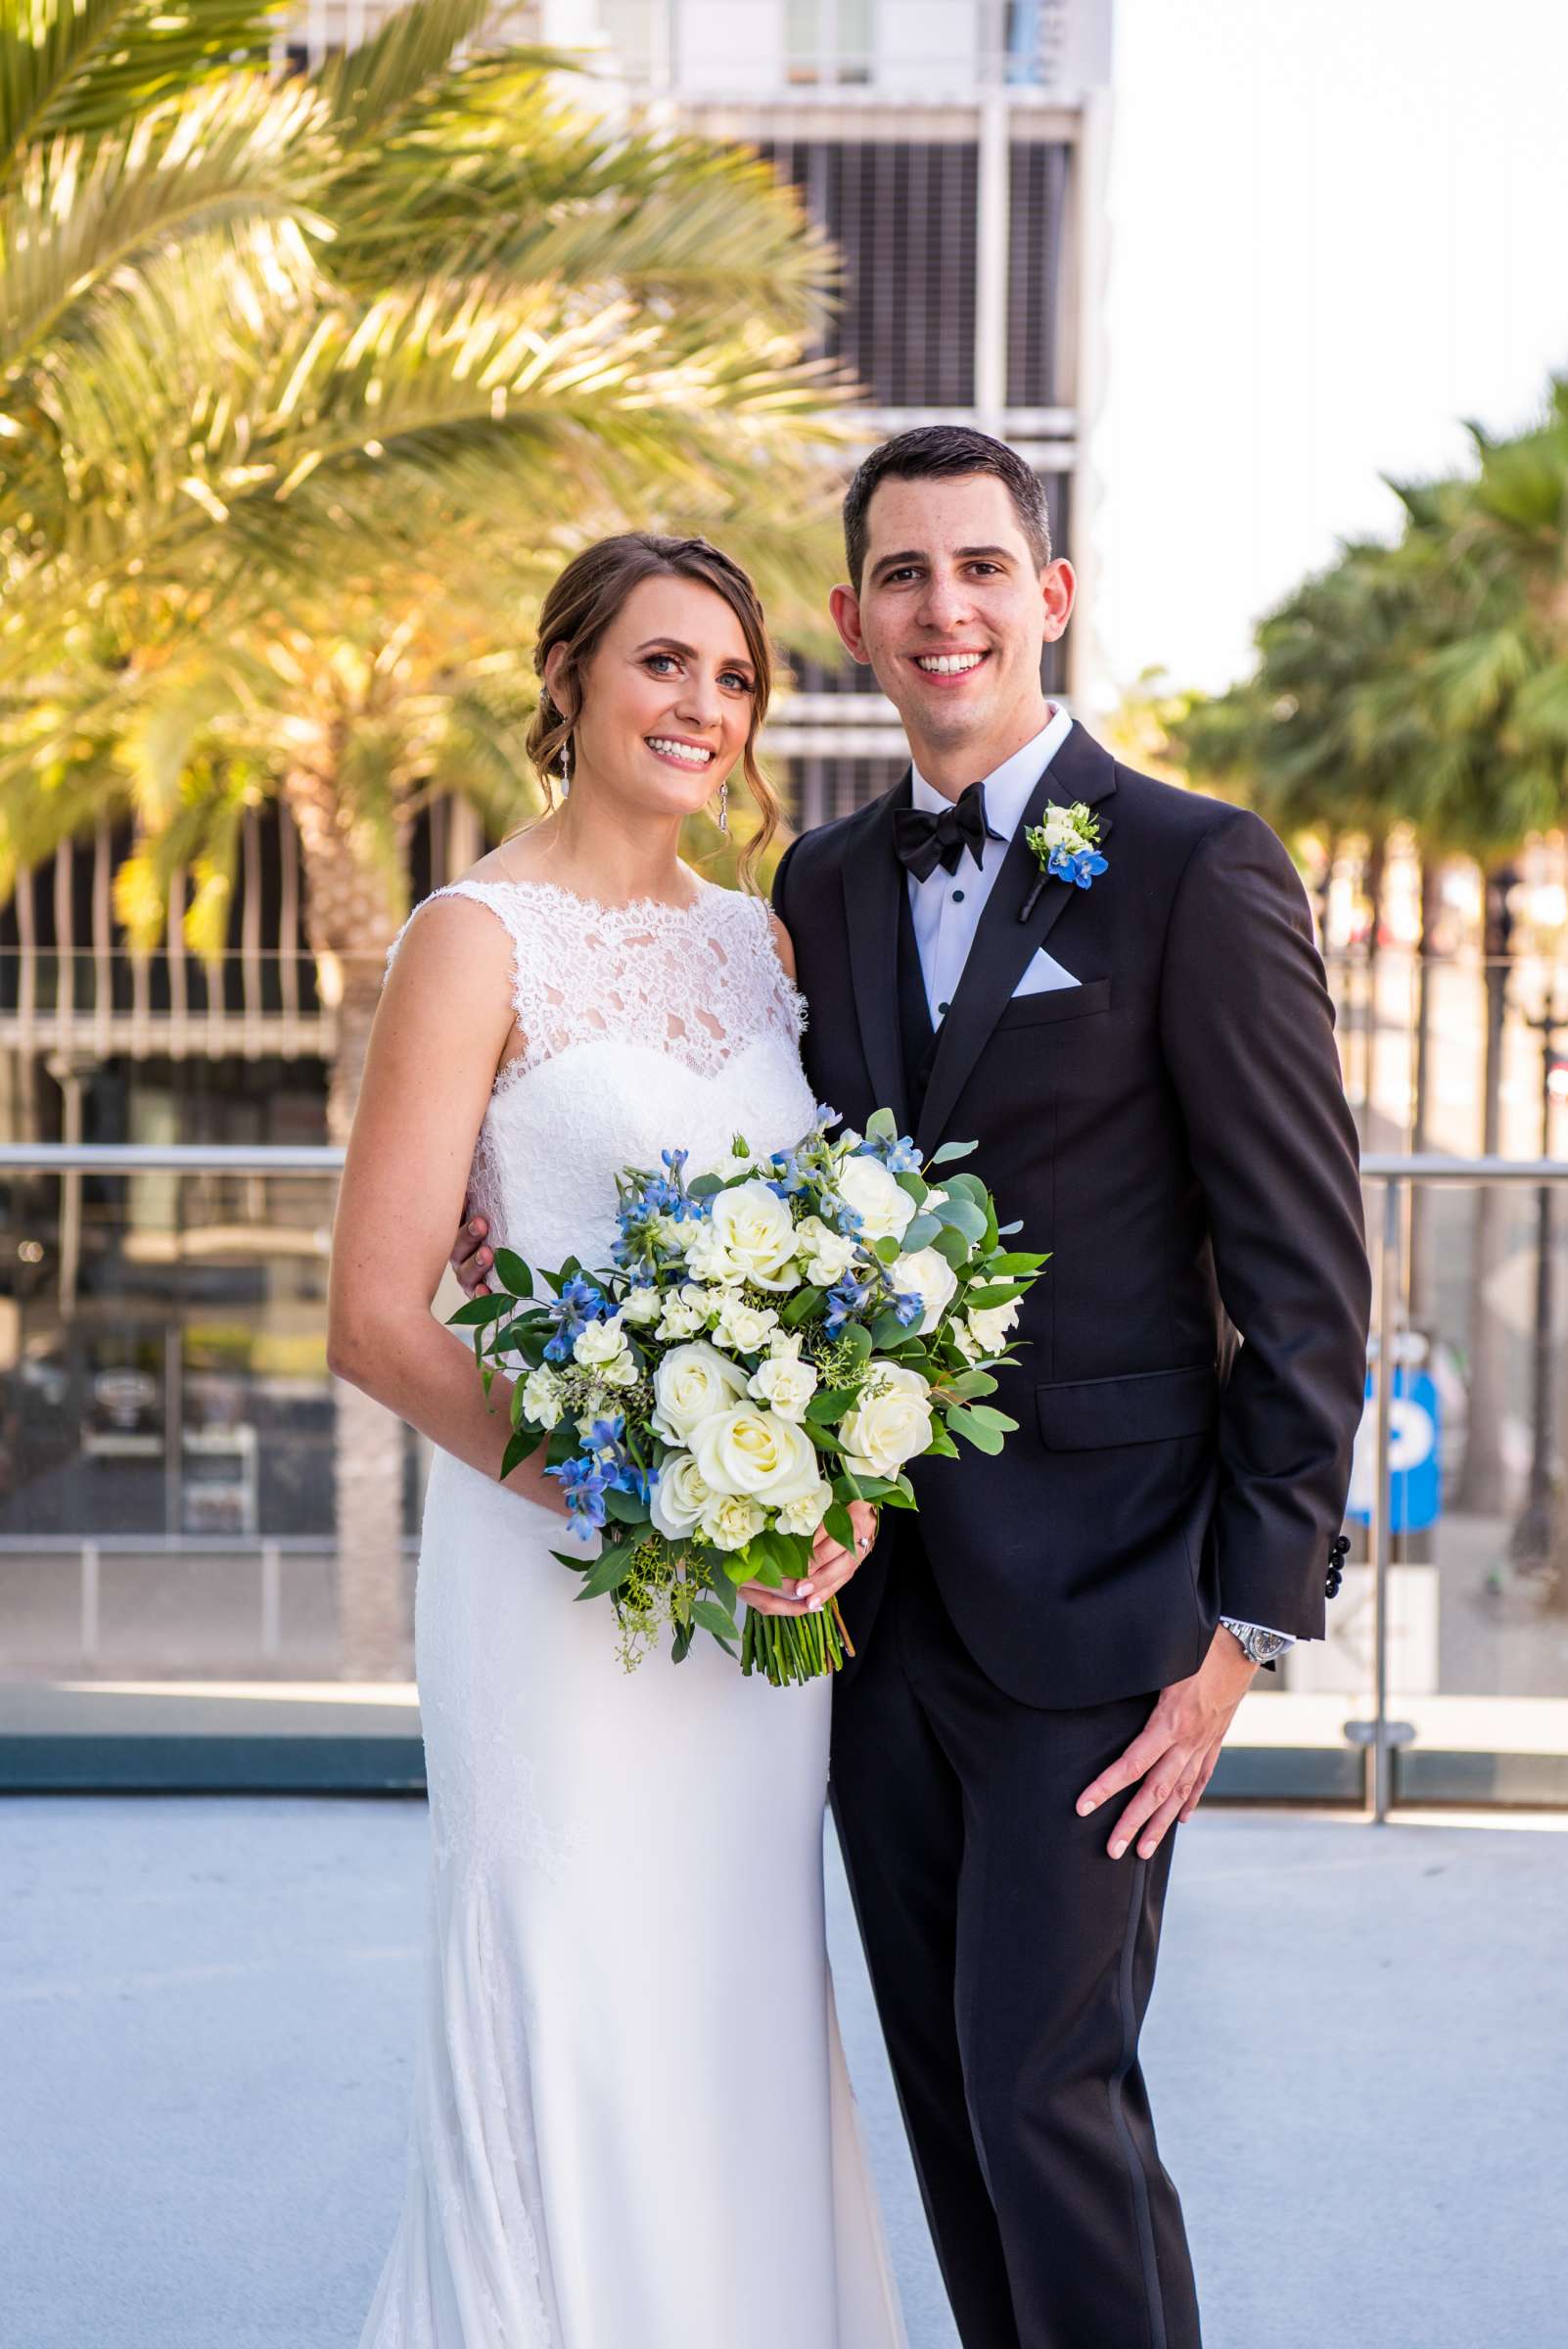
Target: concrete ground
[[1357, 2052]]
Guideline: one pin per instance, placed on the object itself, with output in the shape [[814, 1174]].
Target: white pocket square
[[1043, 974]]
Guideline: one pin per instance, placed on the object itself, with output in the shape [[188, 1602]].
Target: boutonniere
[[1066, 846]]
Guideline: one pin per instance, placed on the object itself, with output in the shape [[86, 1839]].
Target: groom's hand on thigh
[[1172, 1758]]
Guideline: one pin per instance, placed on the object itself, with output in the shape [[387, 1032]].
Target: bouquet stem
[[794, 1649]]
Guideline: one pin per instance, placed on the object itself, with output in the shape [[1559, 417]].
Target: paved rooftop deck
[[1358, 2049]]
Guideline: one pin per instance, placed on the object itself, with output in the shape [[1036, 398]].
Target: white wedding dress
[[632, 2125]]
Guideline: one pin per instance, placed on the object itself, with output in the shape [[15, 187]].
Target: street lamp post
[[1531, 1543]]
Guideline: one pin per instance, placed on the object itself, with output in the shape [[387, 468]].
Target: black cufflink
[[1338, 1553]]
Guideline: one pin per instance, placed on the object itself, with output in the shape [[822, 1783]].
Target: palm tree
[[306, 387]]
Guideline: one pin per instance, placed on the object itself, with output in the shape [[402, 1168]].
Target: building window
[[828, 40], [901, 212]]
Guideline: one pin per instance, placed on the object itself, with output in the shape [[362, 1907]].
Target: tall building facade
[[954, 152]]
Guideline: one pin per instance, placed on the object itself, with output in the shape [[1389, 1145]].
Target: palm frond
[[86, 68]]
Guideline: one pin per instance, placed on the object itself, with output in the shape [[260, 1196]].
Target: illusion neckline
[[641, 906]]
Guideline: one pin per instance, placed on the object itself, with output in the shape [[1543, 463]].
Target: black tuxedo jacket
[[1175, 1132]]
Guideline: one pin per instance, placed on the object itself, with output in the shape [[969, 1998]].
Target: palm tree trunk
[[352, 913], [1481, 1479], [1421, 1299]]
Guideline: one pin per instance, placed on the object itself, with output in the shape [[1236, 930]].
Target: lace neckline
[[644, 908]]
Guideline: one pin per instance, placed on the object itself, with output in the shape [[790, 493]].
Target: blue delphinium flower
[[578, 1304], [583, 1483], [646, 1207], [899, 1154], [844, 1302], [1080, 867], [908, 1308]]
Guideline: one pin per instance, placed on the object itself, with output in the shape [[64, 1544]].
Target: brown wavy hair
[[580, 605]]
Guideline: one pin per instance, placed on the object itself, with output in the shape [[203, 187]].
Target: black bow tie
[[923, 841]]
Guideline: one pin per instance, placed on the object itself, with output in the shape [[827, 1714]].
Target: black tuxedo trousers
[[1012, 1961], [1173, 1130]]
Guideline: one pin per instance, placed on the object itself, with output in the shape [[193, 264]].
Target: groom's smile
[[951, 610]]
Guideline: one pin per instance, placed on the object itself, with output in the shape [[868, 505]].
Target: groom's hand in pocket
[[1172, 1758], [471, 1258], [831, 1568]]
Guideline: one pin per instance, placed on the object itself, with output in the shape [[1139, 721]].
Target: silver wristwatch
[[1256, 1645]]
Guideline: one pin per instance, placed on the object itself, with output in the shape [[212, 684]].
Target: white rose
[[543, 1397], [744, 1327], [827, 1253], [929, 1276], [756, 1452], [642, 1306], [690, 1385], [680, 1318], [885, 1211], [991, 1324], [600, 1344], [679, 1498], [621, 1372], [889, 1423], [730, 1520], [708, 1258], [786, 1383], [757, 1231], [804, 1515]]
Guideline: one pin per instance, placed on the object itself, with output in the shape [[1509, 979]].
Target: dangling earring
[[723, 806], [566, 768]]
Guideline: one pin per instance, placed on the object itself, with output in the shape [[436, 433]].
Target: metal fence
[[1380, 1754]]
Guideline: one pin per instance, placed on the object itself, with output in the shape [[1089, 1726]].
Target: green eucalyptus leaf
[[710, 1617], [963, 1422], [607, 1573], [841, 1525], [950, 1151], [828, 1405], [515, 1273], [521, 1445], [479, 1312]]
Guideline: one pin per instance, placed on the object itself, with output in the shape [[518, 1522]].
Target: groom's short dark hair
[[930, 451]]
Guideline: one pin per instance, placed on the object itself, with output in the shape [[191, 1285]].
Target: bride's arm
[[425, 1087]]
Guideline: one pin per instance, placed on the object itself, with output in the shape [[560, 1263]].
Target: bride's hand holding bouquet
[[777, 1339]]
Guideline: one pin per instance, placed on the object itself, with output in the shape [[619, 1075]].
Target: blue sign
[[1416, 1491]]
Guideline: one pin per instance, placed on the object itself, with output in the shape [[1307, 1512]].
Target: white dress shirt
[[946, 906]]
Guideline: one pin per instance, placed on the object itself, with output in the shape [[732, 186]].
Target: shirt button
[[957, 897], [941, 1010]]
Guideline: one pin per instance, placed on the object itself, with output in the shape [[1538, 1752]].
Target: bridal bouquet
[[776, 1338]]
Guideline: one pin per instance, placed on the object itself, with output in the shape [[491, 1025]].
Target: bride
[[632, 2125]]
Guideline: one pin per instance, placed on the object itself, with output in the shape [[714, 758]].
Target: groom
[[1045, 1673], [1042, 1682]]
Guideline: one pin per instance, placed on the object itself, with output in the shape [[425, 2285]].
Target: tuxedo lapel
[[1004, 944], [872, 878]]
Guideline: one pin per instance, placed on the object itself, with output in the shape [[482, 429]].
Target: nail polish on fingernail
[[1117, 1849], [816, 1606], [802, 1589], [1084, 1808]]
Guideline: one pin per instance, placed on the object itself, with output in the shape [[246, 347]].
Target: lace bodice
[[642, 1028]]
